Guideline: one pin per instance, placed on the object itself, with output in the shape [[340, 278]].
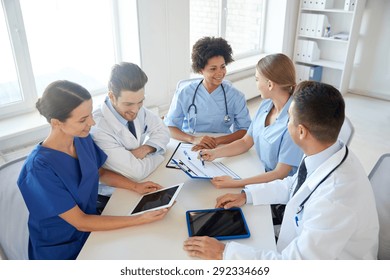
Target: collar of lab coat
[[322, 171], [116, 125]]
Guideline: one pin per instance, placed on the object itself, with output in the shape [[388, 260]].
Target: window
[[47, 40], [240, 22], [9, 87]]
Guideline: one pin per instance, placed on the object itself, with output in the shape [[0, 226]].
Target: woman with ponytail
[[275, 79]]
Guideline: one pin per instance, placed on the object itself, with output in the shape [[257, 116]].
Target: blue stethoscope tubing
[[302, 205], [226, 119]]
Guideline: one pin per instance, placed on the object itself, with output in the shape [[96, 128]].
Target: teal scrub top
[[52, 183], [273, 143], [210, 109]]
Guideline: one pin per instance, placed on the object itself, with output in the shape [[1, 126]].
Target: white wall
[[371, 72], [164, 41]]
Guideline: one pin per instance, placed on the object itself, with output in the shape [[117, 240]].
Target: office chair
[[183, 83], [380, 181], [13, 213], [346, 131]]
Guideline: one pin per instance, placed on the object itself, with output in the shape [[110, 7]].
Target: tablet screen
[[156, 200], [219, 223]]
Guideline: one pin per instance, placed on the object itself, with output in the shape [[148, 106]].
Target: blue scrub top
[[52, 183], [210, 109], [273, 143]]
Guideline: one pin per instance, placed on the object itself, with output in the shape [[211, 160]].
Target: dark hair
[[60, 98], [208, 47], [126, 76], [279, 69], [320, 108]]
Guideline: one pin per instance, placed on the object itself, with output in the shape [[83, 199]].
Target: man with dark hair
[[133, 137], [330, 207]]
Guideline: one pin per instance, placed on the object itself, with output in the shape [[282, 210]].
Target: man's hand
[[142, 151], [231, 200], [204, 247]]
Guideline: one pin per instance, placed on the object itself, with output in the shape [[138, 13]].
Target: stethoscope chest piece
[[226, 119]]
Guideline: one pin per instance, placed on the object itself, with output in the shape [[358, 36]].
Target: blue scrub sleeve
[[44, 193], [289, 152], [175, 116], [242, 118]]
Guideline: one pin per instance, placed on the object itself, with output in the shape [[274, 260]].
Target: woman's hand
[[208, 155], [146, 187], [152, 216], [204, 142], [226, 181]]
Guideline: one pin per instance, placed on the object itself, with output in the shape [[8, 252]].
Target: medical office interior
[[45, 40]]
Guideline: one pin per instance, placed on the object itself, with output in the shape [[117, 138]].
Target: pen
[[185, 152], [201, 159]]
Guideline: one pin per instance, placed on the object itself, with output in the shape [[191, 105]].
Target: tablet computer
[[219, 223], [163, 198]]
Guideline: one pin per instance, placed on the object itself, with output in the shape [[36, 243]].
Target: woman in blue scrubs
[[275, 79], [59, 180], [208, 105]]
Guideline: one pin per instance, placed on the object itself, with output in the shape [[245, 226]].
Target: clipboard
[[171, 163], [187, 160]]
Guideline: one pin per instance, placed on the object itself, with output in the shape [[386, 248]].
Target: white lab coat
[[339, 221], [117, 141]]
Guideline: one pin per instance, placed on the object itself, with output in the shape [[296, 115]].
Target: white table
[[164, 239]]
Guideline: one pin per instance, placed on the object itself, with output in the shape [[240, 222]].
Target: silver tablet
[[163, 198]]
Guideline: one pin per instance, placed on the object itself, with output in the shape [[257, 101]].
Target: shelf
[[335, 11], [336, 56], [324, 63], [328, 39]]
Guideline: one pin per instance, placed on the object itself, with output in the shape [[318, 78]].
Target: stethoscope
[[302, 205], [226, 118]]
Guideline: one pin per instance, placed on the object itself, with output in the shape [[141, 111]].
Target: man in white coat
[[332, 215], [133, 137]]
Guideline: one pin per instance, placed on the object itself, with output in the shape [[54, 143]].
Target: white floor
[[371, 120]]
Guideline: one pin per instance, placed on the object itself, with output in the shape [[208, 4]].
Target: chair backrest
[[380, 181], [346, 131], [183, 83], [13, 213]]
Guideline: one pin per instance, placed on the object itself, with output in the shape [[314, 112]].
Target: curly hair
[[208, 47]]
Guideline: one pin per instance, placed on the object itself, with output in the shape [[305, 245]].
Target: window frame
[[23, 64]]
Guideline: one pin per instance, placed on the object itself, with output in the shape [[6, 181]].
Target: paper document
[[194, 167]]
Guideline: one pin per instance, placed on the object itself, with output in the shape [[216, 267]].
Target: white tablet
[[163, 198]]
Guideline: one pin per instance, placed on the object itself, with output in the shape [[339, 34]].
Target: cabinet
[[326, 39]]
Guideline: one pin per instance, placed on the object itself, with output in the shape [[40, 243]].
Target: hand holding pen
[[201, 158], [207, 155]]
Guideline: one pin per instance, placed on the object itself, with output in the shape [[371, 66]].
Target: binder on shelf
[[308, 73], [310, 4], [306, 51], [349, 5], [313, 25], [321, 24], [302, 24], [312, 51], [325, 4], [315, 73], [298, 50]]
